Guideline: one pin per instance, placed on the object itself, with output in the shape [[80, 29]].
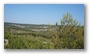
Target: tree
[[48, 28], [69, 34]]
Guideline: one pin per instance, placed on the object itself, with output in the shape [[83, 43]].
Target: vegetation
[[68, 35]]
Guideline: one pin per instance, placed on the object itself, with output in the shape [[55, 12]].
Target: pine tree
[[69, 34]]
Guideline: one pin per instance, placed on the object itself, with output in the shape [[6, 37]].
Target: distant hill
[[27, 26]]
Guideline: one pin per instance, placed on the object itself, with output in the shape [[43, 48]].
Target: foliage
[[68, 35]]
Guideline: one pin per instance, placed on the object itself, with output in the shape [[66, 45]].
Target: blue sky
[[42, 13]]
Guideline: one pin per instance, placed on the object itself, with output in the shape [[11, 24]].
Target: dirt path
[[6, 41]]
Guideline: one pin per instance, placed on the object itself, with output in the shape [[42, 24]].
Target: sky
[[42, 13]]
